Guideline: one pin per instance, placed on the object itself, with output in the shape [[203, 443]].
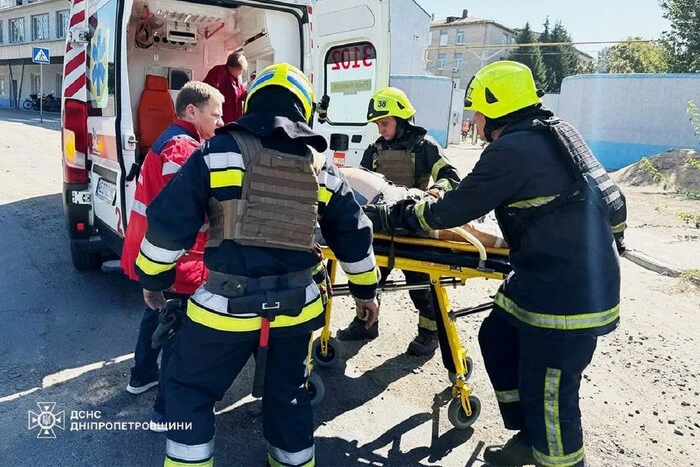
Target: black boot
[[516, 452], [356, 331], [425, 343]]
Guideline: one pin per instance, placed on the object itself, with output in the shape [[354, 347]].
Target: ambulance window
[[100, 73], [179, 77], [351, 71]]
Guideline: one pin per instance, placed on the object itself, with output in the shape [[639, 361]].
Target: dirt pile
[[674, 169]]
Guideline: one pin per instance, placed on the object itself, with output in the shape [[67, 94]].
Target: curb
[[652, 264]]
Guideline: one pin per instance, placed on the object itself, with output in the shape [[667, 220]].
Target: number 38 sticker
[[381, 104]]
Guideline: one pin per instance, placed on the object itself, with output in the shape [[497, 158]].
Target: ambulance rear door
[[351, 61]]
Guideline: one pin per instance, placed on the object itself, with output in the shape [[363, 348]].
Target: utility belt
[[267, 296]]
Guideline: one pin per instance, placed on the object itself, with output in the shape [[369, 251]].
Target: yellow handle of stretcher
[[471, 239]]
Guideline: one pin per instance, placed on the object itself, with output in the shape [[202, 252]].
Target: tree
[[634, 57], [530, 55], [560, 60], [684, 37]]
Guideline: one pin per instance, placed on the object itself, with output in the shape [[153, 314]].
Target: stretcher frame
[[464, 408]]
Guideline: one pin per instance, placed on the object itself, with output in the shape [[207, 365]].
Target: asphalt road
[[66, 337]]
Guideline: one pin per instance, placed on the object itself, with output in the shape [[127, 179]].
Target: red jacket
[[163, 160], [232, 89]]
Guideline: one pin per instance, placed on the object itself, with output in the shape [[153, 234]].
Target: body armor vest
[[399, 166], [278, 207]]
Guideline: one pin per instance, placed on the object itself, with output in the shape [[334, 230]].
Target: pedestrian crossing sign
[[41, 55]]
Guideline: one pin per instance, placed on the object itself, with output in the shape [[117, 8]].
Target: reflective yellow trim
[[619, 227], [324, 194], [229, 323], [151, 267], [316, 269], [226, 178], [427, 323], [364, 278], [559, 322], [437, 167], [568, 460], [444, 184], [275, 463], [533, 202], [419, 211], [508, 397], [171, 463], [552, 427]]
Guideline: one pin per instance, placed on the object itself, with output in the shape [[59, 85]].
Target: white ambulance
[[126, 60]]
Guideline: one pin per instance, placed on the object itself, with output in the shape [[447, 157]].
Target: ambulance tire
[[85, 260], [316, 389]]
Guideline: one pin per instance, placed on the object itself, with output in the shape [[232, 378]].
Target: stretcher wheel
[[316, 389], [458, 418], [469, 365], [333, 356]]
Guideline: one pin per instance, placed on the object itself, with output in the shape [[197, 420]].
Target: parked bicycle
[[50, 103]]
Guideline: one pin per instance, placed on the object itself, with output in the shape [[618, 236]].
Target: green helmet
[[501, 88], [389, 102]]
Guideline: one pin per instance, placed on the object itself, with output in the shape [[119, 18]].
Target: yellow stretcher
[[448, 263]]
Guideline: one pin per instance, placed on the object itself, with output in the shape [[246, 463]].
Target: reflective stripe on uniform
[[226, 178], [170, 167], [437, 167], [552, 427], [427, 323], [211, 310], [507, 397], [619, 228], [158, 254], [533, 202], [224, 160], [364, 265], [559, 322], [365, 278], [173, 463], [190, 452], [324, 195], [152, 268], [281, 458], [568, 460], [139, 208], [330, 181], [419, 211]]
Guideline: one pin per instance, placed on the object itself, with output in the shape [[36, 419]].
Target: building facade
[[25, 24], [460, 46]]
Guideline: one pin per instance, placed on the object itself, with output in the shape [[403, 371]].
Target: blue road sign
[[41, 55]]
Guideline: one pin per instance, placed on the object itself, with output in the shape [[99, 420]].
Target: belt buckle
[[267, 306]]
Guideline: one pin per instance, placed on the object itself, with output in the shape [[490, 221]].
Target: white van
[[126, 60]]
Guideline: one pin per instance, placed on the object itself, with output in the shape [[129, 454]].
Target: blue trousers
[[537, 378]]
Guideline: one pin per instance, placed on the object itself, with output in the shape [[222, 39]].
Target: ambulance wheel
[[84, 260], [333, 356], [458, 418], [469, 365], [316, 389]]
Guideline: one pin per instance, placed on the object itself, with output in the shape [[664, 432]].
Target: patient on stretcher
[[372, 188]]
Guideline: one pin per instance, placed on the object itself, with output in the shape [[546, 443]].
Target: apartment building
[[454, 48], [25, 24]]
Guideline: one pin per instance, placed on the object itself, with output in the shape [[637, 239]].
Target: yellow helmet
[[501, 88], [389, 102], [289, 77]]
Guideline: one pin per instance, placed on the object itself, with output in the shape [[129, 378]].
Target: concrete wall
[[52, 75], [410, 36], [624, 117], [424, 92]]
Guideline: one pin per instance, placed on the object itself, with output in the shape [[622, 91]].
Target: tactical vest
[[278, 207], [399, 166], [592, 180]]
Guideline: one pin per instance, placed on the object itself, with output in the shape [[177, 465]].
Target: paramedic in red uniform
[[227, 79], [198, 114]]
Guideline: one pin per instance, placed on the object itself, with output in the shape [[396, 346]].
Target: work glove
[[170, 320], [620, 243], [393, 217]]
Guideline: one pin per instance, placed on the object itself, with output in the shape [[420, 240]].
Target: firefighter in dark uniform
[[406, 155], [564, 221], [262, 186]]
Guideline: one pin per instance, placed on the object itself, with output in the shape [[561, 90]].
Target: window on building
[[61, 23], [2, 85], [457, 64], [506, 38], [58, 91], [40, 27], [441, 62], [460, 37], [17, 30], [2, 33], [443, 37], [34, 83]]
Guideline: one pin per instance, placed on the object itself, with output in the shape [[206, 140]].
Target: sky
[[586, 20]]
